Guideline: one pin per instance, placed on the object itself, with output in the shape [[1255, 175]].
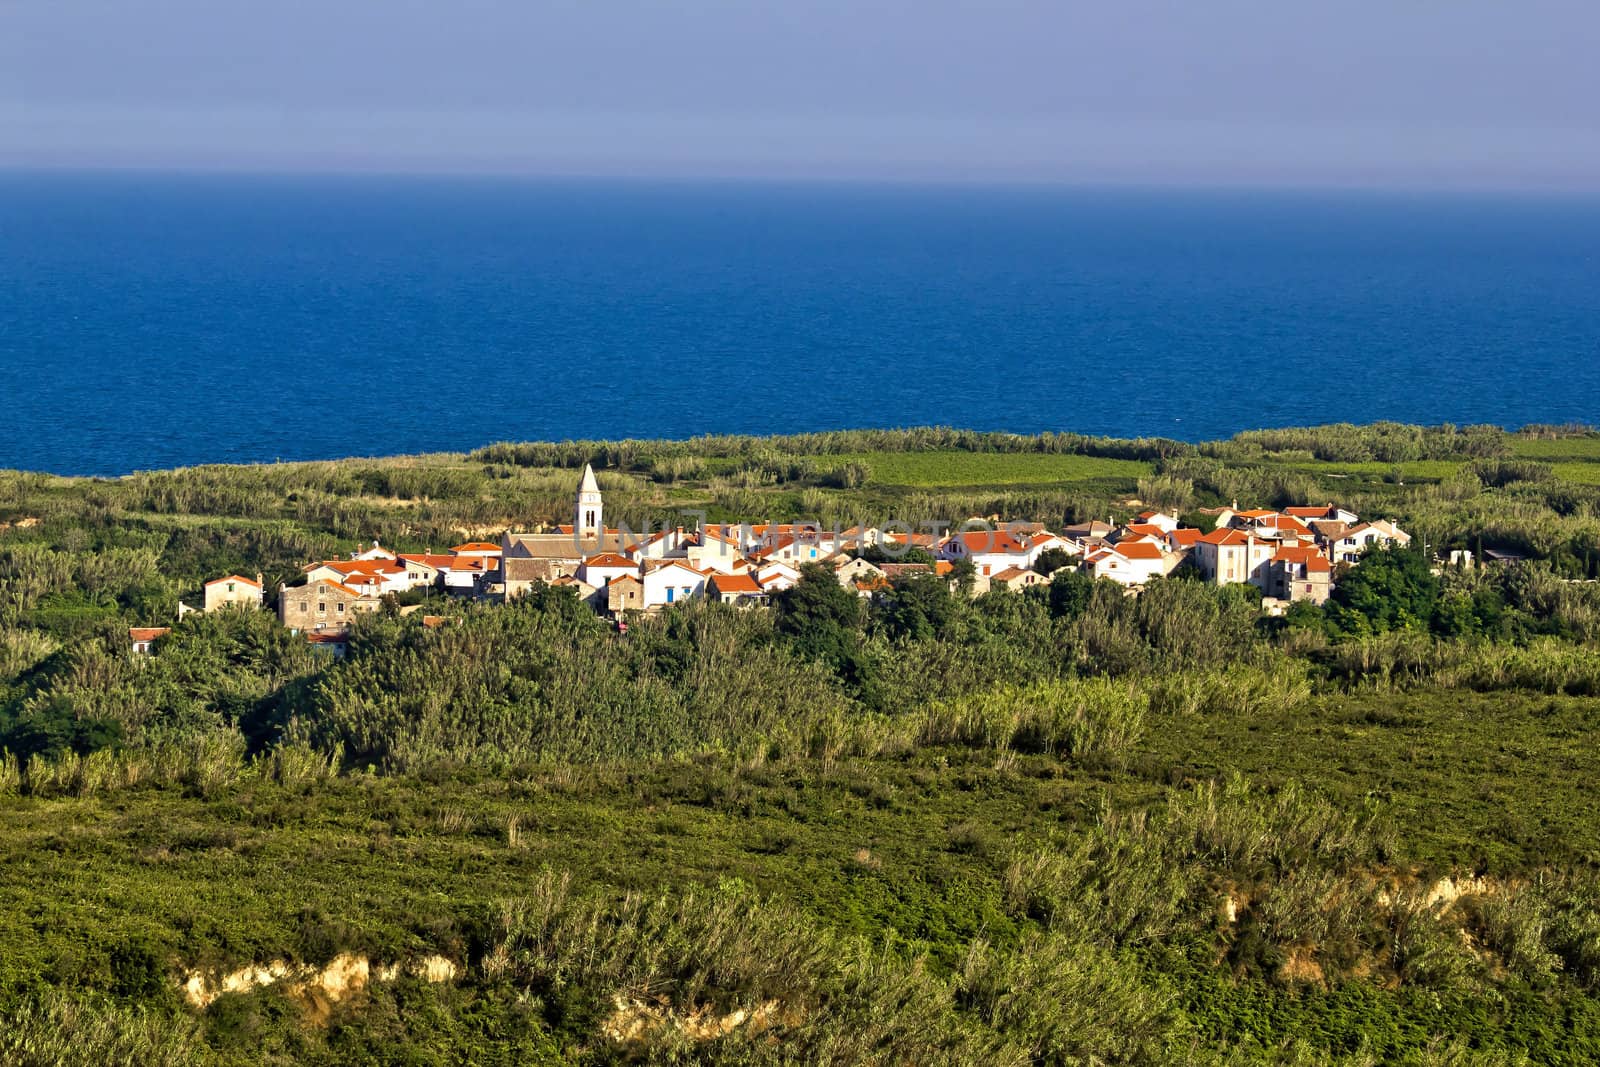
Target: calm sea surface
[[157, 320]]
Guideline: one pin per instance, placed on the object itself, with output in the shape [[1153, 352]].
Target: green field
[[911, 852], [1582, 473], [1586, 449], [955, 469]]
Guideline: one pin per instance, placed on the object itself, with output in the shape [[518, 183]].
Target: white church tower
[[588, 521]]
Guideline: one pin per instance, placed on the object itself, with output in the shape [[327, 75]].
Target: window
[[341, 608], [322, 607], [230, 587], [304, 607], [670, 592]]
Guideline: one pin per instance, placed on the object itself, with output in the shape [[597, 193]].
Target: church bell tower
[[588, 522]]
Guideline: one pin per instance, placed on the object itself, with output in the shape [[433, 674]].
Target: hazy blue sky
[[1416, 92]]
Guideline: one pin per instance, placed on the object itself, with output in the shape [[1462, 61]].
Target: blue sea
[[152, 320]]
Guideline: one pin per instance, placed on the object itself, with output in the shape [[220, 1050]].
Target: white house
[[1159, 519], [466, 573], [990, 551], [233, 590], [1358, 539], [670, 582], [1183, 539], [740, 589], [1132, 562], [602, 568], [1226, 556], [715, 551], [424, 568], [1039, 544]]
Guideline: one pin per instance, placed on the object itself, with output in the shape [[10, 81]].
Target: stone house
[[625, 594], [1299, 573], [322, 606]]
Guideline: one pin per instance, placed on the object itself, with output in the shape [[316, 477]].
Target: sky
[[1430, 93]]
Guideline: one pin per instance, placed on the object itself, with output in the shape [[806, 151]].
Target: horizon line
[[1467, 187]]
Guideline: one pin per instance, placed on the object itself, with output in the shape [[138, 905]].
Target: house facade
[[1299, 573], [322, 605], [233, 591], [1226, 555]]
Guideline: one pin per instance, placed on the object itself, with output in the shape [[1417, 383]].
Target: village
[[1290, 555]]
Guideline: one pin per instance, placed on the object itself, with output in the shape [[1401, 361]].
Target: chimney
[[259, 581]]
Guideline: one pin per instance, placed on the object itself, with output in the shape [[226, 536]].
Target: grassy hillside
[[1066, 827]]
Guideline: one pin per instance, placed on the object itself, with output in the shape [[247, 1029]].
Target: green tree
[[1052, 560], [1070, 590], [822, 619], [918, 608], [1391, 588]]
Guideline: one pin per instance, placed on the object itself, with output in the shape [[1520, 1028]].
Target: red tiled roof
[[236, 578], [736, 583], [654, 565], [147, 633], [476, 546], [339, 586], [1307, 555], [358, 567], [984, 542], [1137, 550], [610, 559], [1223, 535], [437, 562], [1185, 536]]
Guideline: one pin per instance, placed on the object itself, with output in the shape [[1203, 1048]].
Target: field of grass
[[1557, 449], [953, 469], [1582, 473], [909, 853]]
